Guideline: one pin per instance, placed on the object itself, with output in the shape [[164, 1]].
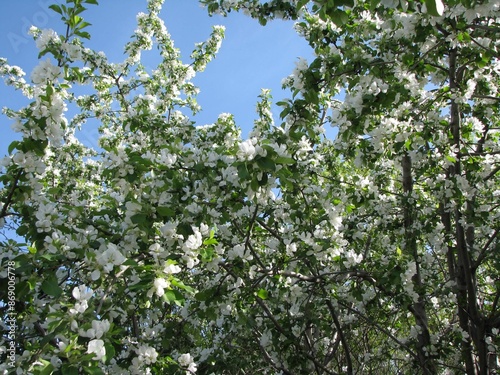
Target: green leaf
[[174, 296], [52, 326], [93, 370], [82, 34], [266, 164], [301, 3], [74, 20], [243, 171], [23, 288], [374, 4], [181, 285], [339, 17], [207, 254], [285, 112], [263, 181], [434, 7], [139, 218], [210, 241], [49, 91], [22, 230], [212, 8], [165, 211], [408, 144], [110, 352], [49, 369], [130, 262], [451, 159], [204, 295], [464, 37], [12, 146], [69, 369], [139, 162], [56, 8], [347, 3], [83, 24], [322, 14], [254, 185], [285, 160], [263, 294], [79, 9], [51, 287], [47, 338]]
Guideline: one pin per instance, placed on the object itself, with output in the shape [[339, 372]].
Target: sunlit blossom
[[97, 347], [45, 72], [246, 150]]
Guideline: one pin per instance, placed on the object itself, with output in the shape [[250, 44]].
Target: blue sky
[[252, 56]]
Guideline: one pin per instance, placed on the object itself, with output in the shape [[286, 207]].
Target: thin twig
[[11, 193]]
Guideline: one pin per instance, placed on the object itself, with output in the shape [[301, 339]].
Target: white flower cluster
[[96, 346], [407, 282], [30, 162], [99, 328], [247, 150], [193, 243], [187, 361], [82, 294], [109, 257], [44, 37], [159, 286], [146, 354], [45, 72], [296, 79]]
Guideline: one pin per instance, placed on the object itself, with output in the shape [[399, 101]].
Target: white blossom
[[186, 360], [98, 329], [110, 258], [247, 150], [97, 347], [45, 72], [159, 286], [194, 241], [147, 354], [45, 38], [170, 269]]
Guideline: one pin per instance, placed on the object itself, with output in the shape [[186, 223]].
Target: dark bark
[[417, 308], [460, 251], [470, 318]]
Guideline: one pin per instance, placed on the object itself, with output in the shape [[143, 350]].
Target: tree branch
[[482, 254], [8, 201]]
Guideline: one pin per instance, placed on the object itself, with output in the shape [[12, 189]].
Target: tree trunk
[[418, 308], [471, 320]]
